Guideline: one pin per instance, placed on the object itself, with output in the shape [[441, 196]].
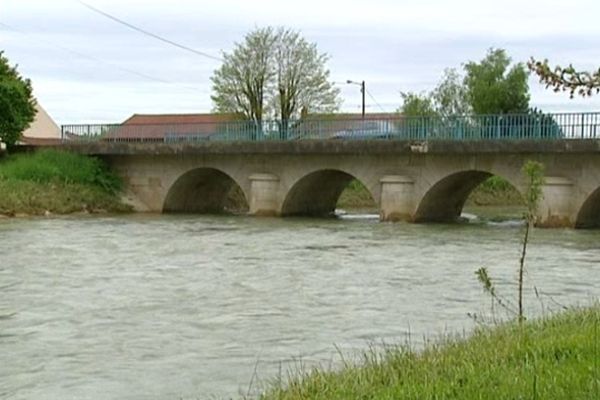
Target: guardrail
[[536, 126]]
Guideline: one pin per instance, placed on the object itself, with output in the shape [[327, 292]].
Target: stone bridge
[[409, 180]]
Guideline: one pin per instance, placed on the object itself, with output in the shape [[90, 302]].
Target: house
[[164, 127], [201, 127], [43, 129]]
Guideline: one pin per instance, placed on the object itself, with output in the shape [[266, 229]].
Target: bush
[[52, 166]]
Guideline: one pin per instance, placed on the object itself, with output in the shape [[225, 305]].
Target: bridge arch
[[205, 191], [588, 215], [317, 193], [444, 200]]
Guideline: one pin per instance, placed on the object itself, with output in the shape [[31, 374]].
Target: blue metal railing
[[533, 126]]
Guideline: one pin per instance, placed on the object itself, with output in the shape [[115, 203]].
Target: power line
[[148, 33], [375, 101], [93, 58]]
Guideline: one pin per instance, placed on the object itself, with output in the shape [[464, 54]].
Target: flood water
[[170, 307]]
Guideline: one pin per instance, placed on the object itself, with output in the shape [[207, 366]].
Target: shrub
[[53, 166]]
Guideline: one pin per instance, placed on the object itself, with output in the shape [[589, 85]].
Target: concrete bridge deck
[[412, 180]]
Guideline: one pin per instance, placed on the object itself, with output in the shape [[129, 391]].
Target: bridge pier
[[555, 209], [263, 195], [397, 203]]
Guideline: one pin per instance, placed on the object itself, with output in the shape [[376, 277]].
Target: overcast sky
[[87, 68]]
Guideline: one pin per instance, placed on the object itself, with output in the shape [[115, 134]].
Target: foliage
[[51, 166], [496, 183], [450, 95], [447, 99], [32, 198], [552, 358], [566, 78], [241, 84], [548, 127], [533, 173], [274, 72], [417, 105], [301, 78], [59, 182], [17, 105], [356, 196], [488, 87], [494, 89]]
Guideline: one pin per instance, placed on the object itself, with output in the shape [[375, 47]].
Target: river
[[171, 307]]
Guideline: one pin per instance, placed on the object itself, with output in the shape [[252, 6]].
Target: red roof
[[160, 126], [173, 119]]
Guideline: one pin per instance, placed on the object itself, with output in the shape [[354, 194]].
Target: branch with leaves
[[583, 83]]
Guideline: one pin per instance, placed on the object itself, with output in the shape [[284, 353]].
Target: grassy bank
[[57, 182], [552, 358], [494, 192], [356, 197]]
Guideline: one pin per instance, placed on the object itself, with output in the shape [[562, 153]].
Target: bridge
[[418, 170]]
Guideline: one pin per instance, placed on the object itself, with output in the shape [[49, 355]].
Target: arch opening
[[318, 193], [477, 192], [205, 191], [588, 216]]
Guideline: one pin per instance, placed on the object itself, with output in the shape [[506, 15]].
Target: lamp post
[[362, 91]]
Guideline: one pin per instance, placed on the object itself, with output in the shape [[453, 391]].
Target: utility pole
[[362, 91]]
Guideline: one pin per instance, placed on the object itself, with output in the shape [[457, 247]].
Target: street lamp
[[362, 91]]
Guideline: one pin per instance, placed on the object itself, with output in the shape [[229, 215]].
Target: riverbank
[[54, 182], [552, 358]]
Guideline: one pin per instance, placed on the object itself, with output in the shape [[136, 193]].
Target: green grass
[[551, 358], [495, 191], [58, 182], [356, 196]]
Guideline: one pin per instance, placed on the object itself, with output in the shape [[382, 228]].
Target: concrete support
[[263, 194], [555, 209], [397, 202]]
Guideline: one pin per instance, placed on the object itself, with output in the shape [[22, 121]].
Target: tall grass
[[552, 358], [52, 166], [57, 182]]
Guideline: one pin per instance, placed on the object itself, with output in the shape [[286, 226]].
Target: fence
[[536, 126]]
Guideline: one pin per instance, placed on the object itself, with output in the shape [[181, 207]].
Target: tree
[[301, 78], [451, 95], [17, 105], [241, 84], [274, 72], [566, 79], [493, 89], [449, 98], [417, 105]]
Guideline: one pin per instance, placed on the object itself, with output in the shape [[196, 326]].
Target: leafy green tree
[[451, 96], [566, 78], [417, 105], [274, 72], [493, 88], [17, 105]]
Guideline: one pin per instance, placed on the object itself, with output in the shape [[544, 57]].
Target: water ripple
[[154, 307]]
